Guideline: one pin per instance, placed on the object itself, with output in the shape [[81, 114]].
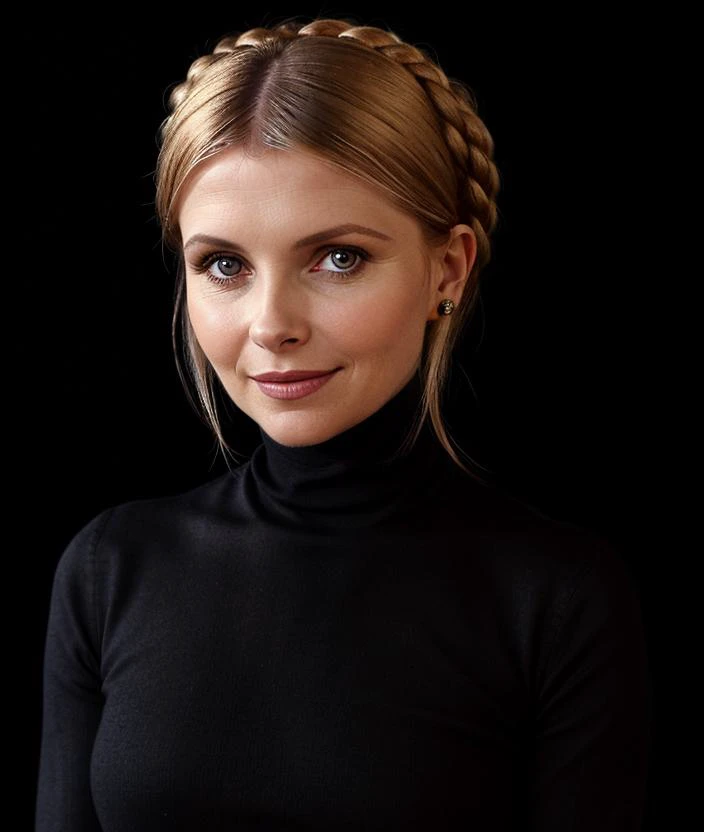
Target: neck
[[353, 478]]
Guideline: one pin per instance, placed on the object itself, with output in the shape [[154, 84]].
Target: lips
[[294, 384], [292, 375]]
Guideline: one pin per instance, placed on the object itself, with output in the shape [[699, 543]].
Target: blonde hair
[[362, 99]]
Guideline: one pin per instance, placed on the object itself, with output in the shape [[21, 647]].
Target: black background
[[557, 387]]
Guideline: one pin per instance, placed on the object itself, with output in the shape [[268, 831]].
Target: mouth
[[293, 375], [294, 384]]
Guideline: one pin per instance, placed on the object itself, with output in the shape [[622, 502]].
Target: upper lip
[[293, 375]]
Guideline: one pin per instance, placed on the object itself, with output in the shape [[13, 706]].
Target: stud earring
[[446, 307]]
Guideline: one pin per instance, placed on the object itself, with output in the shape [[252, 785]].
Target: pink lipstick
[[294, 384]]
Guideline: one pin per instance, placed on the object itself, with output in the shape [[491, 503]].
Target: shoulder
[[570, 590], [582, 581], [139, 525], [174, 511], [536, 552]]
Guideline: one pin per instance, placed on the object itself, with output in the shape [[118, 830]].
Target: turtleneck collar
[[355, 478]]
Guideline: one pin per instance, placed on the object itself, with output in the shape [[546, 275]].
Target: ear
[[451, 268]]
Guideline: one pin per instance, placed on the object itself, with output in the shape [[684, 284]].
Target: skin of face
[[355, 303]]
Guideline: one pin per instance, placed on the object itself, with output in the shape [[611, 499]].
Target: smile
[[293, 385]]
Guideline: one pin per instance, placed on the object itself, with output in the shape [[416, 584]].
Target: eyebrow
[[319, 237]]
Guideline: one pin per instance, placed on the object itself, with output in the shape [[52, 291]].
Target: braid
[[469, 141]]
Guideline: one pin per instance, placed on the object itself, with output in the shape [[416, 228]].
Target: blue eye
[[346, 261], [226, 269], [342, 258], [227, 266], [221, 269]]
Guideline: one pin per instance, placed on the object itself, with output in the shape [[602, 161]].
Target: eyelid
[[204, 261]]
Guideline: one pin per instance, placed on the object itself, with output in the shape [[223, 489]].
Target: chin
[[301, 429], [298, 431]]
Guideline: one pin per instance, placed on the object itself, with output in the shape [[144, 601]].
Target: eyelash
[[207, 261]]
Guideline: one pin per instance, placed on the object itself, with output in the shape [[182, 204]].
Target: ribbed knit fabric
[[333, 638]]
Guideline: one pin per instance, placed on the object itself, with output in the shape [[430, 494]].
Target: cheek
[[215, 330], [393, 325]]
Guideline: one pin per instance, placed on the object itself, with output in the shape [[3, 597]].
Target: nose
[[278, 317]]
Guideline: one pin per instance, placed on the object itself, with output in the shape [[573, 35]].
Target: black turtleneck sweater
[[327, 638]]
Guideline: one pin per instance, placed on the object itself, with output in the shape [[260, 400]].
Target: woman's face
[[298, 272]]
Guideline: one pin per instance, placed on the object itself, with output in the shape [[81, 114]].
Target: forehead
[[281, 184]]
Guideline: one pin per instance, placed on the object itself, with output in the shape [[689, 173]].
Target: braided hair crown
[[467, 138]]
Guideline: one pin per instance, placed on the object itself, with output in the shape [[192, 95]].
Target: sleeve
[[71, 695], [594, 715]]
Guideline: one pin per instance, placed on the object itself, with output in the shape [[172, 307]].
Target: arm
[[594, 707], [72, 699]]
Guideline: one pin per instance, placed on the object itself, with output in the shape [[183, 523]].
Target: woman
[[352, 629]]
